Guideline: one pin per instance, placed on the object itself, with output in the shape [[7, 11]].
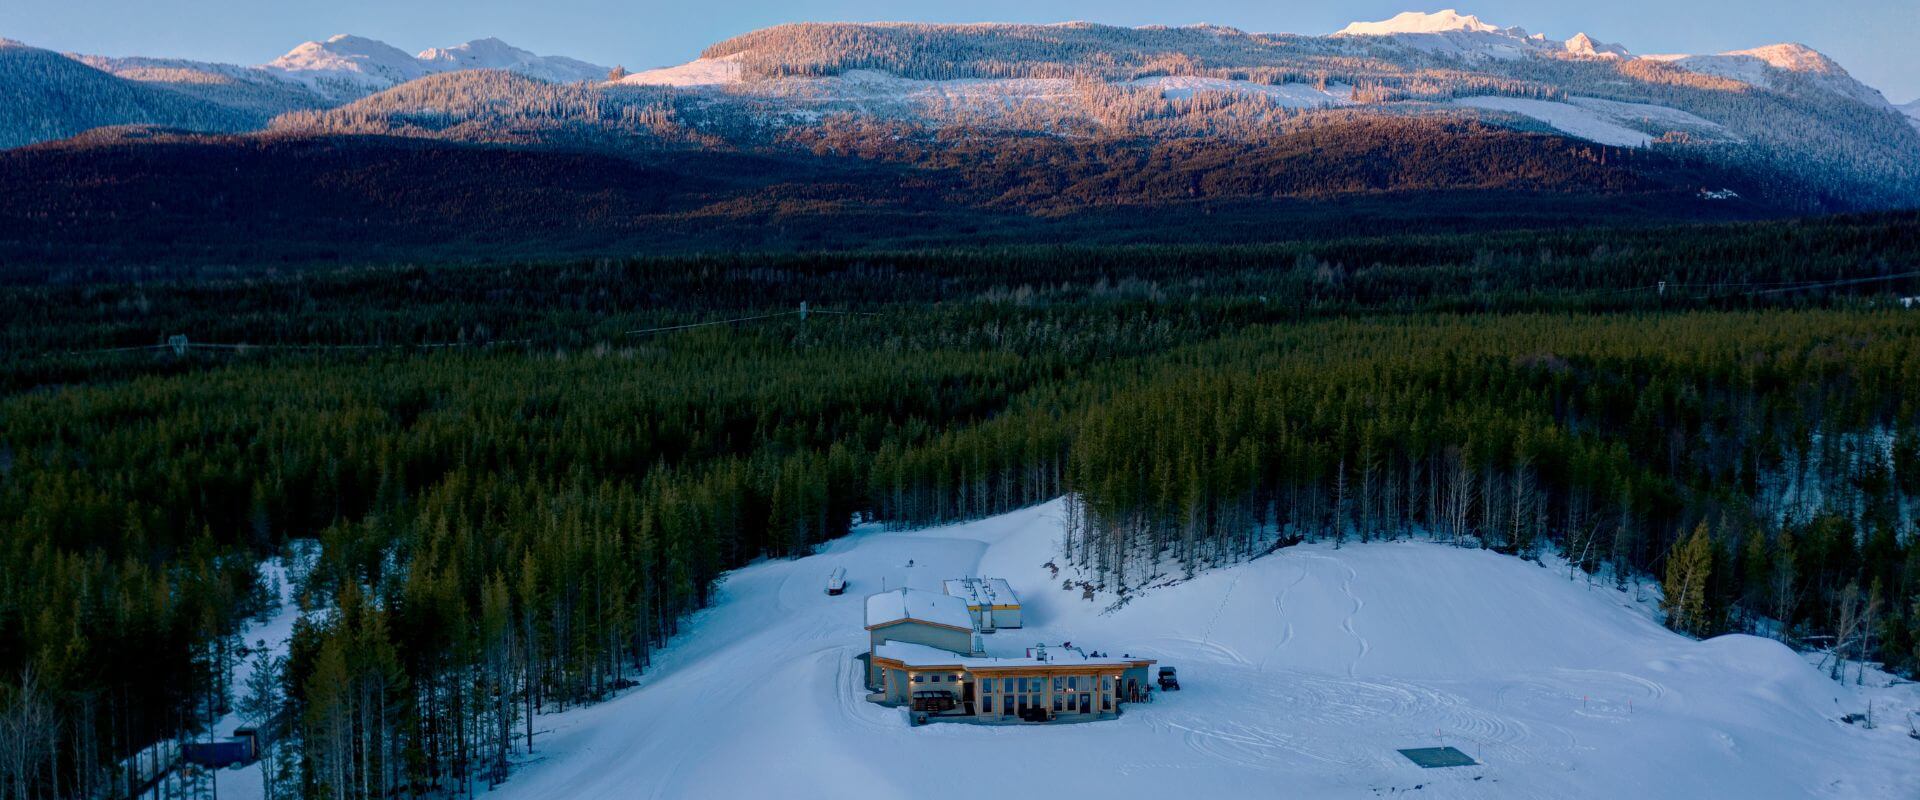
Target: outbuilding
[[990, 601]]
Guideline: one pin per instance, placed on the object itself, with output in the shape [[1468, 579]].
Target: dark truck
[[1168, 680], [933, 701]]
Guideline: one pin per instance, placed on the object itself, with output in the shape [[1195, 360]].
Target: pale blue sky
[[1877, 40]]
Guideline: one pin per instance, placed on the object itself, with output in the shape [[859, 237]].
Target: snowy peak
[[348, 62], [1586, 46], [1446, 21], [488, 53], [1449, 33], [491, 53]]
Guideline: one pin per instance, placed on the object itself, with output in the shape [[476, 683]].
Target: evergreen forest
[[501, 491]]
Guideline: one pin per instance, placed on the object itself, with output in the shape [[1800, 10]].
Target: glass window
[[1056, 701], [986, 684], [936, 678], [1059, 683], [1023, 684], [1073, 682], [986, 704], [919, 679]]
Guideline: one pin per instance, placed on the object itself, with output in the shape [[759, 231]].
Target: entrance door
[[1086, 704]]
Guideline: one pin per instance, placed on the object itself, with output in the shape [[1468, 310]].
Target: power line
[[1780, 287], [801, 312], [714, 322]]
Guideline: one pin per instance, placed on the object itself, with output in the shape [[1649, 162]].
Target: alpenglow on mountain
[[1782, 110]]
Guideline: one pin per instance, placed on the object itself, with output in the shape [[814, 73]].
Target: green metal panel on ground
[[1432, 757]]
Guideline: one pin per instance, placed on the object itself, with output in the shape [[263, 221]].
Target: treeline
[[1609, 440]]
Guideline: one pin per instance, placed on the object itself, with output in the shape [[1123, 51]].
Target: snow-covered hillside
[[1776, 67], [495, 54], [347, 66], [1303, 672]]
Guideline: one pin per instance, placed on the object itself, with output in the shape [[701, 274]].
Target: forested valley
[[506, 488]]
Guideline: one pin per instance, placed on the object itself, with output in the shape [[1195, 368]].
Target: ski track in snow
[[1286, 625], [1559, 691], [1346, 588]]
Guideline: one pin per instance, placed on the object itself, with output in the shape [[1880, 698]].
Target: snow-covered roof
[[982, 592], [920, 655], [932, 608]]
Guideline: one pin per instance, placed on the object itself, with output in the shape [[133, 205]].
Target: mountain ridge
[[1780, 108]]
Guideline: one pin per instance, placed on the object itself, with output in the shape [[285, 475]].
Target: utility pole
[[803, 311]]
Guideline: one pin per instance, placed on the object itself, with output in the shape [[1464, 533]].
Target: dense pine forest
[[502, 490]]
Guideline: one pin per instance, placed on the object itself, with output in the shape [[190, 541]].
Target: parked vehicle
[[933, 701], [217, 754], [1168, 680], [837, 580]]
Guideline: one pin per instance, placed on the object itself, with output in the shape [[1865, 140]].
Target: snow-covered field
[[1291, 95], [1303, 671], [1604, 121]]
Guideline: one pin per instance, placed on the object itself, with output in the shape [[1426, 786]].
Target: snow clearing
[[1304, 674]]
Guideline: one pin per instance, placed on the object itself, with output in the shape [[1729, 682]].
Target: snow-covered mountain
[[1452, 33], [1912, 110], [347, 66], [1780, 67], [1587, 46], [492, 53], [1793, 108], [1447, 21], [346, 62]]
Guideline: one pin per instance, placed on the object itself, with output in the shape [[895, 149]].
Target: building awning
[[907, 655]]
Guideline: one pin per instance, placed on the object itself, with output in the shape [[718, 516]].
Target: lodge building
[[924, 645]]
